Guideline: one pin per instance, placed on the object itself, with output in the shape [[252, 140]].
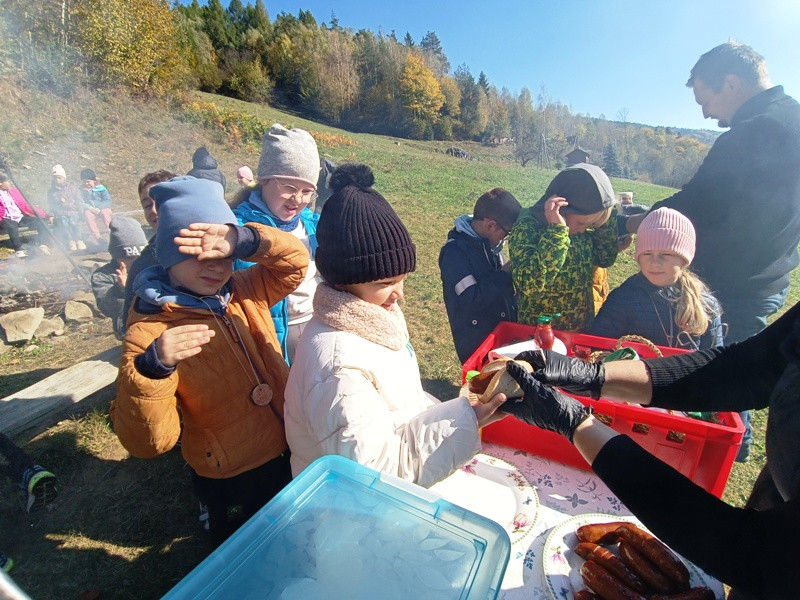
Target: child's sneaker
[[72, 246], [39, 486], [5, 563], [20, 254], [81, 245], [44, 249]]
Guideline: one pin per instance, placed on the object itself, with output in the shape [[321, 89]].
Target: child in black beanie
[[354, 388]]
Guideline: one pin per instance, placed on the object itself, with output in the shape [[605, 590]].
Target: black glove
[[543, 406], [572, 375]]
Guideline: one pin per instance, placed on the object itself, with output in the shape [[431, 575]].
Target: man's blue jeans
[[745, 317]]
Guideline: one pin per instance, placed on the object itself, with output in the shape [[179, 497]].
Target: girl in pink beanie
[[665, 302]]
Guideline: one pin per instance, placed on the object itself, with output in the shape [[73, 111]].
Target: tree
[[132, 43], [336, 76], [611, 162], [474, 105], [408, 41], [434, 54], [483, 81], [215, 24], [421, 95]]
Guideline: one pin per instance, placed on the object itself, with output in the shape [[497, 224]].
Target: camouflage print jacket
[[553, 270]]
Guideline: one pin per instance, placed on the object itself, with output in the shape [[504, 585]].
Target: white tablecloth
[[563, 491]]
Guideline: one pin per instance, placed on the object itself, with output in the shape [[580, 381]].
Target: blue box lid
[[343, 530]]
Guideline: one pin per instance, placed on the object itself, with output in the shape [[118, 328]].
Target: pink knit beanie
[[666, 230], [245, 172]]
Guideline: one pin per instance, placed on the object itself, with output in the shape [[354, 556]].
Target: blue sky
[[597, 57]]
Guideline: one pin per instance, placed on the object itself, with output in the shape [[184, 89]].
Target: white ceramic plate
[[495, 489], [561, 564]]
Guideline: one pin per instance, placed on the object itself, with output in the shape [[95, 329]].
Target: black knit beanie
[[360, 237]]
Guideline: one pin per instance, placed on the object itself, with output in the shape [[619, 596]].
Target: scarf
[[257, 201], [463, 224], [152, 287], [346, 312]]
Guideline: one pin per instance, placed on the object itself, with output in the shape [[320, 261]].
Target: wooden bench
[[81, 386]]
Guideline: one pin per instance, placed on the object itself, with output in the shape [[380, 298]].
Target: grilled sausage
[[610, 561], [599, 533], [656, 551], [645, 569], [696, 593], [605, 585]]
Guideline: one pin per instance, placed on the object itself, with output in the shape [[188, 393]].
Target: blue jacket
[[638, 307], [97, 197], [249, 212], [477, 293]]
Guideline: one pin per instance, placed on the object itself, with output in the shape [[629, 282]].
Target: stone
[[48, 327], [77, 312], [20, 325]]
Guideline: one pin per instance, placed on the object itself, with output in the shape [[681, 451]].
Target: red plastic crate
[[702, 451]]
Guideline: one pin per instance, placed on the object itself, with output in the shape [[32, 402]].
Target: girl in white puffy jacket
[[354, 388]]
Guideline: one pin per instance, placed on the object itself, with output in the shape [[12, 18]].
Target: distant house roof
[[577, 155]]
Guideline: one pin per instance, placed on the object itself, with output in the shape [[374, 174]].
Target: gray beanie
[[180, 202], [289, 153], [126, 239]]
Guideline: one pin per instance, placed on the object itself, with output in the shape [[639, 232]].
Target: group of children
[[215, 303], [556, 248], [206, 362]]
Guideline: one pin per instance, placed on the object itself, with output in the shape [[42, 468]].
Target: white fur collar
[[346, 312]]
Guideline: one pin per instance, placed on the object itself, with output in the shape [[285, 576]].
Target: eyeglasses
[[506, 231], [289, 191]]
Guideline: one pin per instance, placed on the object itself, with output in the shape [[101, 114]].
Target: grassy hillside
[[126, 528]]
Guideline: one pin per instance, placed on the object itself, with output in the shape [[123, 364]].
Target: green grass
[[126, 527]]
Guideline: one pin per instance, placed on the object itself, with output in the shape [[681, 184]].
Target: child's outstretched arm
[[178, 343]]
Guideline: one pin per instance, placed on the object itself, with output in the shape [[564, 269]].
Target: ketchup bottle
[[543, 335]]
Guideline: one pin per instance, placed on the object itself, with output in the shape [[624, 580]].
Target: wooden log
[[84, 384]]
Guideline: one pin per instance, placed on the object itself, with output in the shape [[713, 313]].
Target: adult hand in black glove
[[543, 406], [572, 375]]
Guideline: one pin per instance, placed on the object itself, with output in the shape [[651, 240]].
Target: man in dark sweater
[[744, 200]]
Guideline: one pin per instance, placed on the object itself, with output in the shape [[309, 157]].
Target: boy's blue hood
[[154, 290]]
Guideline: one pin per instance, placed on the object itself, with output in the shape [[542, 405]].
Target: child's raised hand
[[552, 210], [206, 240], [181, 342], [122, 274]]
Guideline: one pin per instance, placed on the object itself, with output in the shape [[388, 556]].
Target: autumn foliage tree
[[131, 43], [421, 95]]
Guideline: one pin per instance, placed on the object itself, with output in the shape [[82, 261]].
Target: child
[[288, 171], [66, 206], [126, 242], [15, 211], [96, 201], [204, 166], [477, 286], [558, 242], [354, 388], [665, 302], [201, 352], [244, 176], [147, 257]]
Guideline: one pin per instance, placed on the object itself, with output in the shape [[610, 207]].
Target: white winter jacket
[[354, 389]]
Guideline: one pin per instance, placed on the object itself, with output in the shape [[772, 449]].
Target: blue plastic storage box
[[342, 530]]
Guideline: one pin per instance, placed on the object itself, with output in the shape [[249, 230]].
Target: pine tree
[[611, 161]]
